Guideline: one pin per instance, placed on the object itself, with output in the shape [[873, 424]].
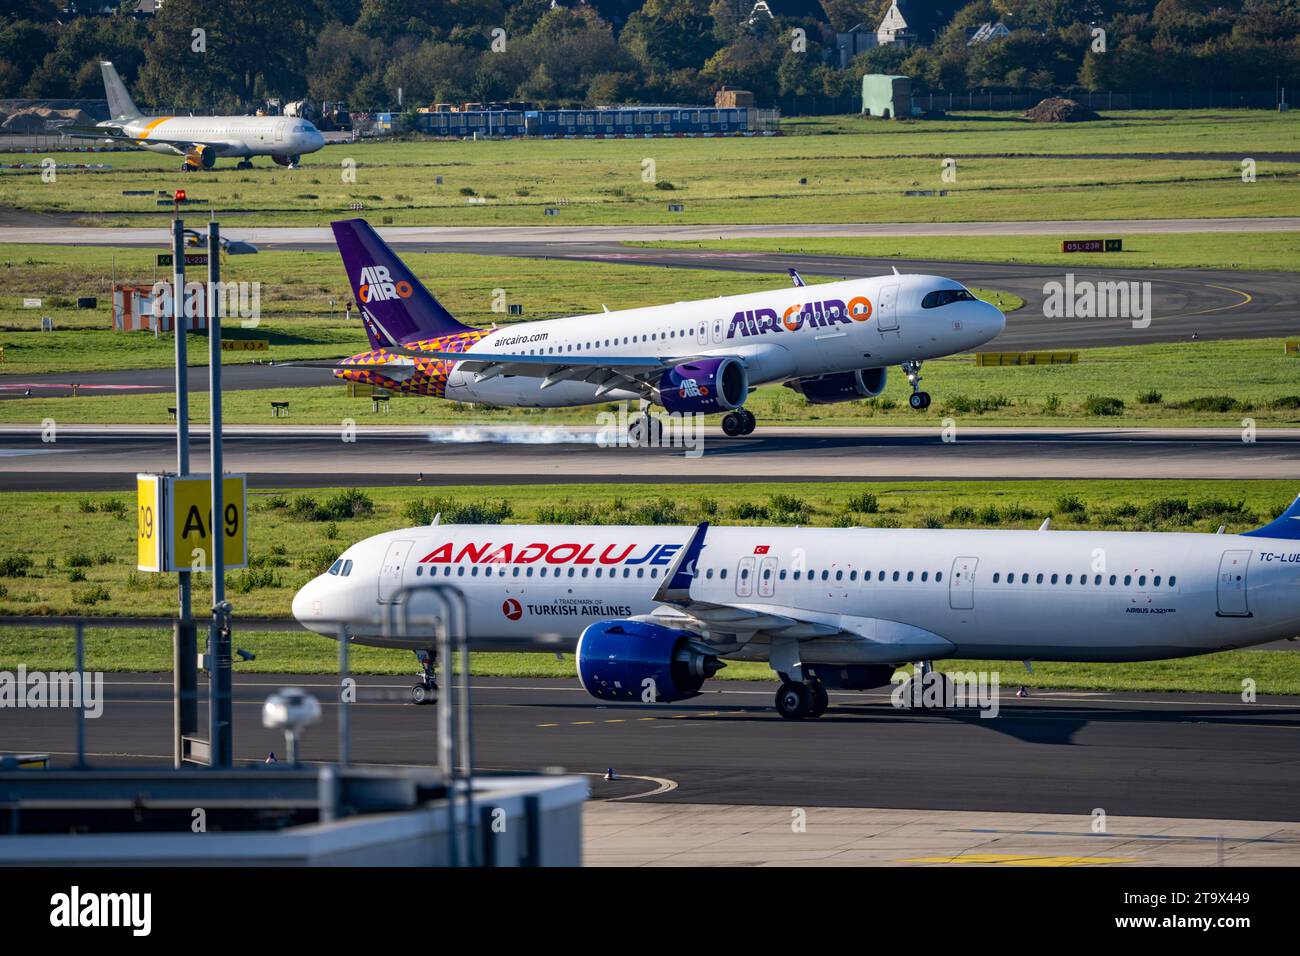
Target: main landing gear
[[739, 422], [796, 700], [426, 692], [244, 164], [918, 399]]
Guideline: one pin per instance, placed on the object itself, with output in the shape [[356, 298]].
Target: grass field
[[1007, 168], [1174, 384], [81, 549], [1271, 251]]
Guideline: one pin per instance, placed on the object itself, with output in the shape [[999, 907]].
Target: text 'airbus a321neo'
[[655, 611], [830, 342]]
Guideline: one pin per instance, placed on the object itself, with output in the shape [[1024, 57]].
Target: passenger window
[[895, 576], [938, 576], [910, 575], [1055, 578], [1128, 579], [1172, 580], [1155, 582], [1069, 579], [996, 577], [1039, 578]]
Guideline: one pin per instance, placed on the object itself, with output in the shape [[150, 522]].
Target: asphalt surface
[[1175, 755], [94, 458], [63, 233]]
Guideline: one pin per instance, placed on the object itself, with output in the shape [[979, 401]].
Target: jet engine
[[841, 386], [200, 157], [708, 385], [639, 661]]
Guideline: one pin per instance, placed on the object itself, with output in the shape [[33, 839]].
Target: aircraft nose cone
[[307, 604], [997, 320]]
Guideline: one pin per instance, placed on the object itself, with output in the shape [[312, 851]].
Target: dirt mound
[[1058, 109], [39, 119]]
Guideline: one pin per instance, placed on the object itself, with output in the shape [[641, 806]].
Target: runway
[[107, 458], [295, 236], [1166, 755]]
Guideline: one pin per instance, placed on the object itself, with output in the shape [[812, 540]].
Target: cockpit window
[[336, 567], [347, 568], [940, 297]]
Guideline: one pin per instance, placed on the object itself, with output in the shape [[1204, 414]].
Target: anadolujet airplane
[[655, 611], [200, 139], [830, 342]]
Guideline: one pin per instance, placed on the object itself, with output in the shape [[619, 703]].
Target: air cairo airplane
[[830, 342], [656, 611], [200, 139]]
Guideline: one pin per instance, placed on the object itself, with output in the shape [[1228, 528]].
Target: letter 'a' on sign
[[150, 528], [190, 533]]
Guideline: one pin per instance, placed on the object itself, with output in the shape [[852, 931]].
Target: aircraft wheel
[[732, 425], [919, 400], [748, 421], [821, 699], [423, 695], [795, 701]]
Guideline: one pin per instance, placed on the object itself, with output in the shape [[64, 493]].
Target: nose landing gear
[[918, 399], [426, 692]]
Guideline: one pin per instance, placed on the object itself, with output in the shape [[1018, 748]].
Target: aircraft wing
[[121, 135], [608, 371], [730, 626]]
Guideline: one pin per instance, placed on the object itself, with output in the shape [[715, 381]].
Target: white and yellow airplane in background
[[200, 139]]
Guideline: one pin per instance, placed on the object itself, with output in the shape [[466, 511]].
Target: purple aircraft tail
[[395, 306]]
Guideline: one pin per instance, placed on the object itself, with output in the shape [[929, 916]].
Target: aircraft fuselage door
[[767, 577], [702, 333], [961, 584], [745, 577], [887, 309], [1232, 584], [390, 572], [717, 331]]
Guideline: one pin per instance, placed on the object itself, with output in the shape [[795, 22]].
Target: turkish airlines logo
[[511, 609], [761, 549], [376, 285]]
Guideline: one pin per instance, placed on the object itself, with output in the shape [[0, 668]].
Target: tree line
[[235, 54]]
